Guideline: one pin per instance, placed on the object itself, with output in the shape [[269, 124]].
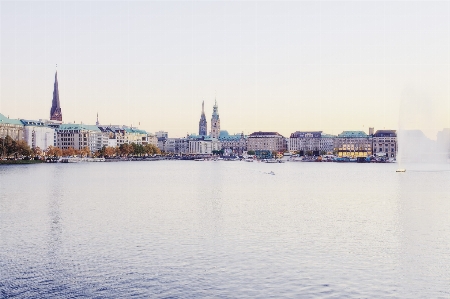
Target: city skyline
[[271, 66]]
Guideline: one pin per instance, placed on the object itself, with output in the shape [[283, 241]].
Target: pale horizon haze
[[272, 66]]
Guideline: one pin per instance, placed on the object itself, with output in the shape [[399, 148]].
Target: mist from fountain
[[422, 145]]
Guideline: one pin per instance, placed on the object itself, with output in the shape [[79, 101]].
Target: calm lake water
[[186, 229]]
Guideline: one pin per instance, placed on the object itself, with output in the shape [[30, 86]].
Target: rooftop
[[260, 133], [353, 134], [385, 133], [78, 127], [5, 120]]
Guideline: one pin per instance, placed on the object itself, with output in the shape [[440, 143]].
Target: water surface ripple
[[186, 229]]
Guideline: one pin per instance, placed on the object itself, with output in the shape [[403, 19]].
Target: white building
[[200, 145], [38, 134], [117, 135], [152, 139], [162, 134]]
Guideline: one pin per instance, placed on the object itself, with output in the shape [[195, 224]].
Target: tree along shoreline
[[10, 162]]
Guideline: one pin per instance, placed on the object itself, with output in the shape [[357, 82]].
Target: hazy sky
[[274, 66]]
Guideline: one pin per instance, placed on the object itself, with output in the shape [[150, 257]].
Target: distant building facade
[[38, 134], [353, 144], [236, 144], [385, 143], [162, 134], [306, 143], [118, 135], [327, 143], [79, 136], [200, 145], [271, 141], [11, 127]]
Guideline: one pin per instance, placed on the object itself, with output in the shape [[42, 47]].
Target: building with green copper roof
[[11, 127], [353, 144]]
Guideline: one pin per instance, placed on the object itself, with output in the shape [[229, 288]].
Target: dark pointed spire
[[55, 111], [97, 123], [203, 125]]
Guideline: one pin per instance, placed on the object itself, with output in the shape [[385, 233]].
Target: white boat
[[70, 160], [271, 161], [401, 170], [199, 159], [249, 160]]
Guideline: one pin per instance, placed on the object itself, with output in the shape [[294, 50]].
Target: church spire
[[55, 111], [202, 124], [97, 123]]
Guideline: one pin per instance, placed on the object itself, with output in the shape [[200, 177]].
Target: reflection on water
[[186, 229]]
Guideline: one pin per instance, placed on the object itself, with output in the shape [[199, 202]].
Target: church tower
[[203, 125], [215, 121], [55, 111]]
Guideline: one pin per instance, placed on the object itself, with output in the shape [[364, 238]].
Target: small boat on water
[[271, 161], [199, 159], [249, 160], [70, 160], [401, 170]]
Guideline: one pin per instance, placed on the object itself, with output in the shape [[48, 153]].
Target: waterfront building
[[353, 144], [306, 143], [201, 145], [385, 143], [11, 127], [169, 145], [161, 144], [215, 122], [162, 134], [176, 145], [327, 143], [135, 135], [55, 111], [79, 136], [203, 125], [38, 134], [271, 141], [151, 139], [236, 143], [117, 135]]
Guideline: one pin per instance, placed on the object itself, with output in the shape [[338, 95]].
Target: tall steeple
[[97, 123], [203, 125], [215, 121], [55, 111]]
